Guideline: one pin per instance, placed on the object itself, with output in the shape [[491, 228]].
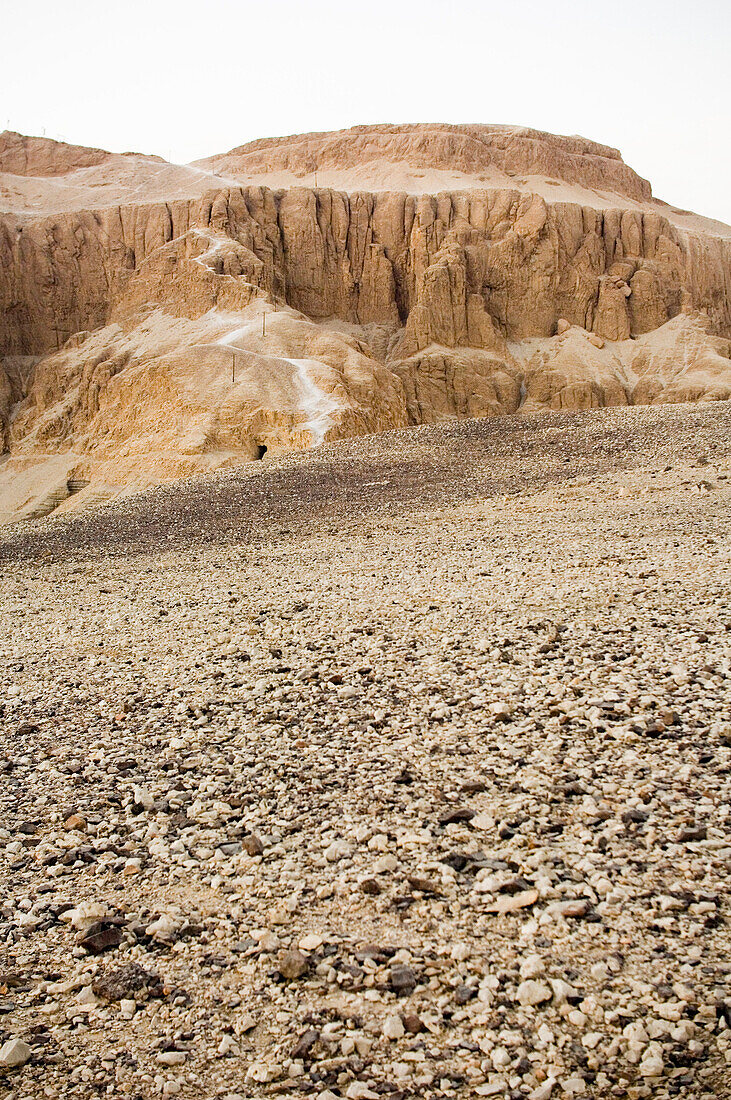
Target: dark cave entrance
[[260, 450]]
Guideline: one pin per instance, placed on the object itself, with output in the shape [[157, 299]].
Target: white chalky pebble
[[533, 993], [14, 1053], [393, 1027]]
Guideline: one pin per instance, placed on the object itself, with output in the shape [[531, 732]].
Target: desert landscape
[[365, 560]]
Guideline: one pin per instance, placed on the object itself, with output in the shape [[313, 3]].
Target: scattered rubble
[[497, 865]]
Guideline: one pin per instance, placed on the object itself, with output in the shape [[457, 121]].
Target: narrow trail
[[317, 405]]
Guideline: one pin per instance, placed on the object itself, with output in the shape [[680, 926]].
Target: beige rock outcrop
[[363, 258], [469, 149], [454, 383], [169, 386], [682, 361], [21, 155], [15, 375], [571, 372]]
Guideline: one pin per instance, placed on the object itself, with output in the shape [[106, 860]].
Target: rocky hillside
[[158, 320], [397, 770]]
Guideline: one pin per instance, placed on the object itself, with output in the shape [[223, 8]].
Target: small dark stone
[[578, 1052], [119, 984], [574, 788], [456, 860], [514, 886], [464, 993], [690, 833], [402, 980], [101, 937], [292, 964], [457, 816], [370, 886], [252, 845], [634, 816], [305, 1043], [424, 885]]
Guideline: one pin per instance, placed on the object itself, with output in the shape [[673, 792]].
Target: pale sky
[[184, 79]]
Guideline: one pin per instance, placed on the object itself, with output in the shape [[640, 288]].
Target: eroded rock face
[[572, 372], [444, 383], [21, 155], [15, 375], [127, 394], [682, 361], [151, 338], [376, 259]]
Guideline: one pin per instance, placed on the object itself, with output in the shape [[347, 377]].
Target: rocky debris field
[[402, 769]]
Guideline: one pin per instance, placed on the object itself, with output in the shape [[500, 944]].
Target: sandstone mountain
[[159, 319]]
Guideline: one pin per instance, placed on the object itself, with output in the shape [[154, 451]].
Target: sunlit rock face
[[157, 319]]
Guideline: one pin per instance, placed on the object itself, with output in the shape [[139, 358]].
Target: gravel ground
[[401, 769]]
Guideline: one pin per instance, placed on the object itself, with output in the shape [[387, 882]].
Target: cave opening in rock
[[260, 450]]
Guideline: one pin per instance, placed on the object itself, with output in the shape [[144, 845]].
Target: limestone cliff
[[548, 278]]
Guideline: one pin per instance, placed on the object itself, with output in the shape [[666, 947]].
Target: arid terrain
[[162, 320], [397, 768], [398, 763]]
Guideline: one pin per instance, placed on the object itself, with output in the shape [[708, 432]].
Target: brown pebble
[[292, 964], [252, 845], [370, 886]]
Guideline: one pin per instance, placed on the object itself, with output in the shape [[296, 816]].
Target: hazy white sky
[[185, 79]]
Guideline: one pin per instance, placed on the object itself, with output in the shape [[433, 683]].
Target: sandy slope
[[120, 178]]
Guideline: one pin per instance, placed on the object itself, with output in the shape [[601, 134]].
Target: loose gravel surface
[[401, 769]]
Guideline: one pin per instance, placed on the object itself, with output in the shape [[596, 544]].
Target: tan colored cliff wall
[[186, 331], [373, 258], [37, 156]]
